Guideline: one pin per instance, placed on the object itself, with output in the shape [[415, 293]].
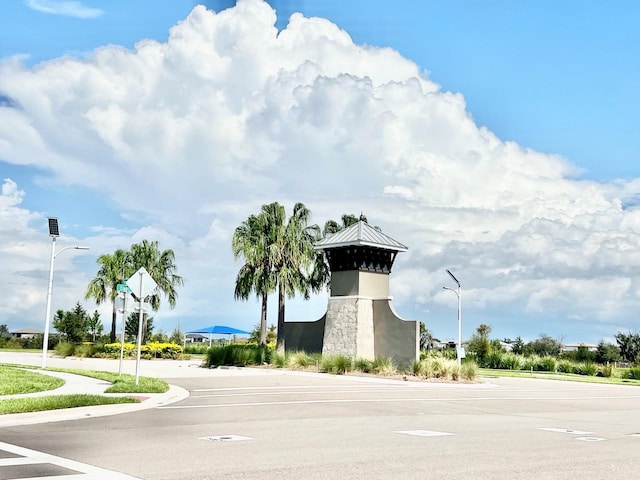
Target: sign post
[[124, 290], [145, 286]]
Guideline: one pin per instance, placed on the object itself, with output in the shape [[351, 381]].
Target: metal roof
[[360, 234]]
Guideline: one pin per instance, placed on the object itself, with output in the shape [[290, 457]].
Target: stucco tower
[[360, 321]]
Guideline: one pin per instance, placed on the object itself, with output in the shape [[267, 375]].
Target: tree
[[480, 344], [607, 353], [543, 346], [113, 269], [72, 324], [177, 336], [4, 331], [278, 255], [252, 242], [427, 340], [629, 344], [517, 346], [132, 325], [331, 226], [294, 262], [94, 325], [161, 267]]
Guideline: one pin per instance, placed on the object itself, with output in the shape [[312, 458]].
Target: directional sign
[[123, 287], [142, 283]]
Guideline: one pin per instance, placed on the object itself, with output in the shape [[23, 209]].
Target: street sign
[[123, 287], [142, 283]]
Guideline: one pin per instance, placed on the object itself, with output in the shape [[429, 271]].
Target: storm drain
[[225, 438], [424, 433]]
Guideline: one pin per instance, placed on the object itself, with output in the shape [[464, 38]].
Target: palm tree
[[252, 242], [161, 267], [113, 269], [294, 260]]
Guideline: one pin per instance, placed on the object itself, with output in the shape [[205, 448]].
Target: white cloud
[[190, 136], [67, 8]]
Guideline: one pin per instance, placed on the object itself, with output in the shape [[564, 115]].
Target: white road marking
[[590, 439], [566, 430], [386, 400], [424, 433], [34, 457], [225, 438]]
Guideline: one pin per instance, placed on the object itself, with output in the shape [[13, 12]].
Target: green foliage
[[73, 324], [606, 370], [632, 374], [65, 349], [629, 344], [4, 331], [543, 346], [480, 344], [607, 352], [517, 346], [133, 324], [504, 361], [177, 336], [427, 340], [363, 365], [238, 355]]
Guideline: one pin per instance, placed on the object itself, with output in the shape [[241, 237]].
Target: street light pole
[[458, 293], [53, 233]]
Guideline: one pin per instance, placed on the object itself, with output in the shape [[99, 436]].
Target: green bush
[[300, 360], [65, 349], [606, 370], [566, 366], [586, 368], [363, 365], [632, 374]]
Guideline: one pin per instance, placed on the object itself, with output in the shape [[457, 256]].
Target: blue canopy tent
[[220, 330]]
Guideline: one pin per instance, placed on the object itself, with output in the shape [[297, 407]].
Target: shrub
[[565, 366], [469, 370], [606, 370], [384, 366], [299, 360], [363, 365], [278, 359], [547, 364], [587, 368], [65, 349], [633, 373], [444, 368]]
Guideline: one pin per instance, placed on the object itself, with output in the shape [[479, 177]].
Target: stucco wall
[[395, 337], [354, 282], [306, 336]]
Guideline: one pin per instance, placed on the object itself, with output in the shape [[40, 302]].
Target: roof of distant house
[[27, 331]]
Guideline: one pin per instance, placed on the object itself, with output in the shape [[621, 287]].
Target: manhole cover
[[424, 433], [226, 438]]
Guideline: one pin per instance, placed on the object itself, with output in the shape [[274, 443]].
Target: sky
[[495, 139]]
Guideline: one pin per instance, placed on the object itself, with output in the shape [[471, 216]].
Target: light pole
[[54, 233], [458, 293]]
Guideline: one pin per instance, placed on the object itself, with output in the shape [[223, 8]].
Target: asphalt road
[[278, 425]]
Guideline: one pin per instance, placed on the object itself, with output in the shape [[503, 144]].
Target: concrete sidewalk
[[80, 384]]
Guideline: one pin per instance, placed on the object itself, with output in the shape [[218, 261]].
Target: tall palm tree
[[161, 267], [113, 269], [294, 260], [252, 241]]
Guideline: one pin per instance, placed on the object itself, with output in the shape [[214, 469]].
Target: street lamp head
[[453, 277], [82, 248]]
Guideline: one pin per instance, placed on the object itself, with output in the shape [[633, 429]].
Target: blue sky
[[558, 78]]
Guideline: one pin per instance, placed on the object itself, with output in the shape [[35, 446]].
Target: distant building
[[26, 333], [573, 347]]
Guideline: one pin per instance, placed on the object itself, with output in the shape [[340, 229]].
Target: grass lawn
[[56, 402], [570, 377], [122, 383], [16, 380]]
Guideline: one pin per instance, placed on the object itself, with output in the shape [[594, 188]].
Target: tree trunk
[[280, 342], [263, 321]]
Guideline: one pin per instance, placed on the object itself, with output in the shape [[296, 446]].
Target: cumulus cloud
[[190, 136], [67, 8]]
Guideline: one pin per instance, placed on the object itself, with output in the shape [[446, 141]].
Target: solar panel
[[53, 227]]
